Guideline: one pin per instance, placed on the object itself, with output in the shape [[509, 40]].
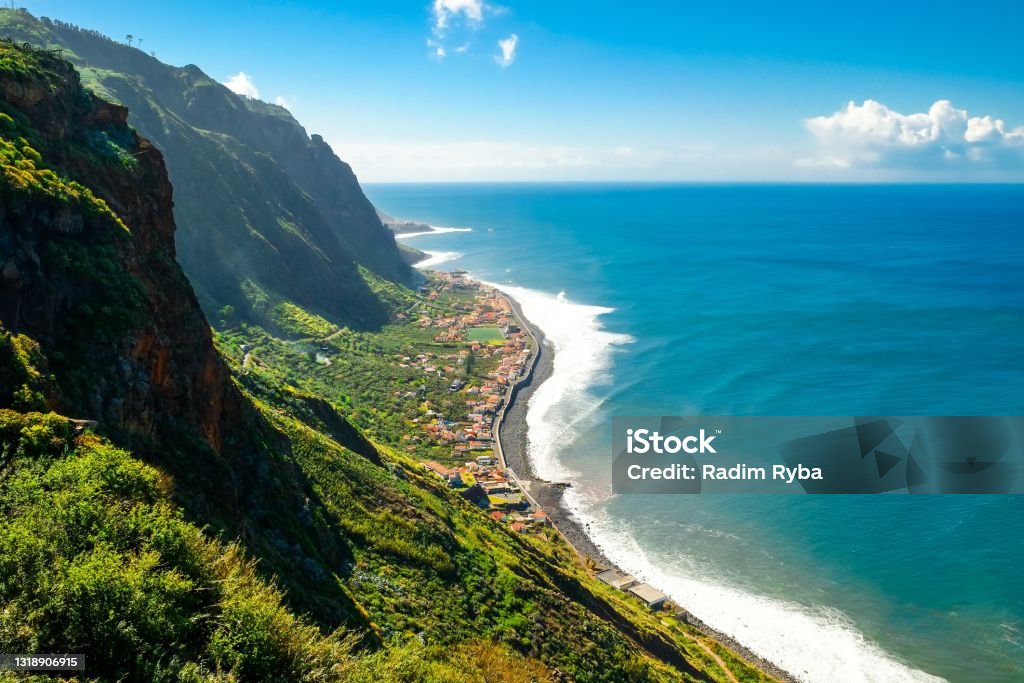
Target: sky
[[535, 90]]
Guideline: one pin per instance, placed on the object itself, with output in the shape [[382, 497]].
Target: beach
[[514, 439]]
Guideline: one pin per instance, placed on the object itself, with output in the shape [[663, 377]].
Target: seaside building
[[617, 580], [653, 597]]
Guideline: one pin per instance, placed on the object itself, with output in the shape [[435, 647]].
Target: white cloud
[[872, 134], [508, 50], [286, 102], [454, 23], [445, 11], [241, 84]]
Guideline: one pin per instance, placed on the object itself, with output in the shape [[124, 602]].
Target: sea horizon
[[369, 185], [598, 338]]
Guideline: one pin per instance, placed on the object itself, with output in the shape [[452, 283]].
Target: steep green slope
[[264, 211], [107, 557]]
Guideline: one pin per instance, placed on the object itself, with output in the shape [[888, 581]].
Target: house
[[649, 594], [623, 583], [449, 475], [518, 527], [495, 487], [485, 460], [616, 579]]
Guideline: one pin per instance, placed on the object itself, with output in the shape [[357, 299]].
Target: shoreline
[[513, 438], [512, 435]]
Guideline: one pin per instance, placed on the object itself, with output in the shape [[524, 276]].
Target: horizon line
[[895, 183]]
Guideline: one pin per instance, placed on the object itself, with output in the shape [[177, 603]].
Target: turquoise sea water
[[775, 300]]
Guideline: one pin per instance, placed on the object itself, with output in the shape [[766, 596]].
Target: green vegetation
[[365, 379], [427, 566], [22, 171], [294, 320], [96, 559], [21, 376]]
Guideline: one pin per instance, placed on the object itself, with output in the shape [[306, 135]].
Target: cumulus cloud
[[872, 134], [448, 11], [241, 84], [508, 50], [285, 102], [454, 24]]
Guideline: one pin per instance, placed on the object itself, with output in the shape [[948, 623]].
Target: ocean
[[774, 300]]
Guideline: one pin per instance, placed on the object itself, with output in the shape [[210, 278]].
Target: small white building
[[649, 594]]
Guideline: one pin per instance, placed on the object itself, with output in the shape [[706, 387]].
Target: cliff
[[90, 272]]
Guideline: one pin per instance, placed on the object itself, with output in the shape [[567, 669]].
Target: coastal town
[[491, 329], [492, 334]]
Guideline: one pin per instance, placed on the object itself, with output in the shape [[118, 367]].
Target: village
[[492, 337], [491, 330]]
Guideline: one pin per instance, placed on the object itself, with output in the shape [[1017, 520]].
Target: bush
[[97, 560]]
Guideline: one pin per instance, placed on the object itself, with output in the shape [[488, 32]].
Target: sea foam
[[816, 645], [435, 258], [583, 355], [434, 230]]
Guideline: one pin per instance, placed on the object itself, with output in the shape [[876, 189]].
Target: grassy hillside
[[264, 211]]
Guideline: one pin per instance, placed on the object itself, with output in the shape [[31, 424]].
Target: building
[[649, 594], [616, 579], [449, 475]]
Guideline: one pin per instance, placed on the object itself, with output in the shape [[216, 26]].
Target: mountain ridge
[[296, 225]]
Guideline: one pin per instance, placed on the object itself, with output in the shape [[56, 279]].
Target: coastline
[[513, 438], [512, 434]]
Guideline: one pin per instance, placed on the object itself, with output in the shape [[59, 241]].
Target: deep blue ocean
[[775, 300]]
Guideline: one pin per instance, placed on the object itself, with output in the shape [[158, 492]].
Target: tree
[[129, 38], [140, 43]]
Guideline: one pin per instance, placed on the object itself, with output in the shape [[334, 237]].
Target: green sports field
[[485, 335]]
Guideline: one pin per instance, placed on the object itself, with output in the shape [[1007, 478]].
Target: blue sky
[[531, 90]]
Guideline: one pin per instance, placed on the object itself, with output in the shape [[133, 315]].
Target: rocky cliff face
[[89, 270], [265, 212]]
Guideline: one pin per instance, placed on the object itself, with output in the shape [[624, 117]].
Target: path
[[718, 660]]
